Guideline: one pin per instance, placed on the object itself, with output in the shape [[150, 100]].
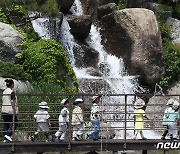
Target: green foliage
[[50, 8], [29, 34], [43, 59], [3, 17], [14, 71], [46, 7], [171, 61], [164, 28], [18, 11], [121, 4]]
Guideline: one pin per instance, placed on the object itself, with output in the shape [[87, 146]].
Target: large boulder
[[85, 56], [134, 35], [80, 26], [10, 40]]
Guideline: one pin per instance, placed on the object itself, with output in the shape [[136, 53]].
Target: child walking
[[63, 122], [96, 112], [172, 124], [167, 113], [139, 115], [77, 120], [42, 118]]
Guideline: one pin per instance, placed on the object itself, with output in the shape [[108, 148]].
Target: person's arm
[[49, 122], [14, 103], [146, 117]]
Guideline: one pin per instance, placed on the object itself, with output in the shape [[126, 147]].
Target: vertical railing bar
[[125, 124], [29, 114], [13, 126], [133, 110], [69, 125]]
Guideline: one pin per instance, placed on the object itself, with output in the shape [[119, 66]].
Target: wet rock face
[[80, 26], [134, 35], [10, 40]]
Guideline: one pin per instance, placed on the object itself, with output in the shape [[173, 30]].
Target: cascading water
[[114, 79]]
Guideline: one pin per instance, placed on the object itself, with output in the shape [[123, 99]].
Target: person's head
[[175, 105], [96, 99], [43, 105], [139, 103], [170, 102], [9, 83], [78, 102], [65, 102]]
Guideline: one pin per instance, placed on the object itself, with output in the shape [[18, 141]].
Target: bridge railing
[[117, 120]]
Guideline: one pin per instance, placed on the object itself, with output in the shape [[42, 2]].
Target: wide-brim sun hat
[[43, 105], [139, 103], [77, 101], [63, 101], [170, 101]]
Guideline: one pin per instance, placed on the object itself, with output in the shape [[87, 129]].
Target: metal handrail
[[28, 123]]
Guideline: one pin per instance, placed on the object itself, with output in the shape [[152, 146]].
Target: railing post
[[29, 115], [69, 125], [125, 124], [144, 151], [13, 125]]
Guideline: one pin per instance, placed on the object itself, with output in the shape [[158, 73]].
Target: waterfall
[[40, 26], [114, 78], [76, 8]]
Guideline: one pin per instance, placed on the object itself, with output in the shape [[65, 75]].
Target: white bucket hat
[[170, 101], [139, 103], [43, 105], [79, 100], [63, 101]]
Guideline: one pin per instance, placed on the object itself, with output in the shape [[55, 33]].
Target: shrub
[[171, 61], [43, 60], [14, 71], [121, 4]]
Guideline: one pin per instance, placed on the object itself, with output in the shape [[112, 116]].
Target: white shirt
[[77, 116], [42, 115], [6, 101], [95, 115], [64, 116]]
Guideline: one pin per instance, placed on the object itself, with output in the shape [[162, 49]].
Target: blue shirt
[[168, 111], [173, 116]]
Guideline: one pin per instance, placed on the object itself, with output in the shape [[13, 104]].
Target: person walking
[[63, 122], [167, 113], [77, 120], [172, 123], [95, 117], [42, 118], [139, 115], [9, 111]]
